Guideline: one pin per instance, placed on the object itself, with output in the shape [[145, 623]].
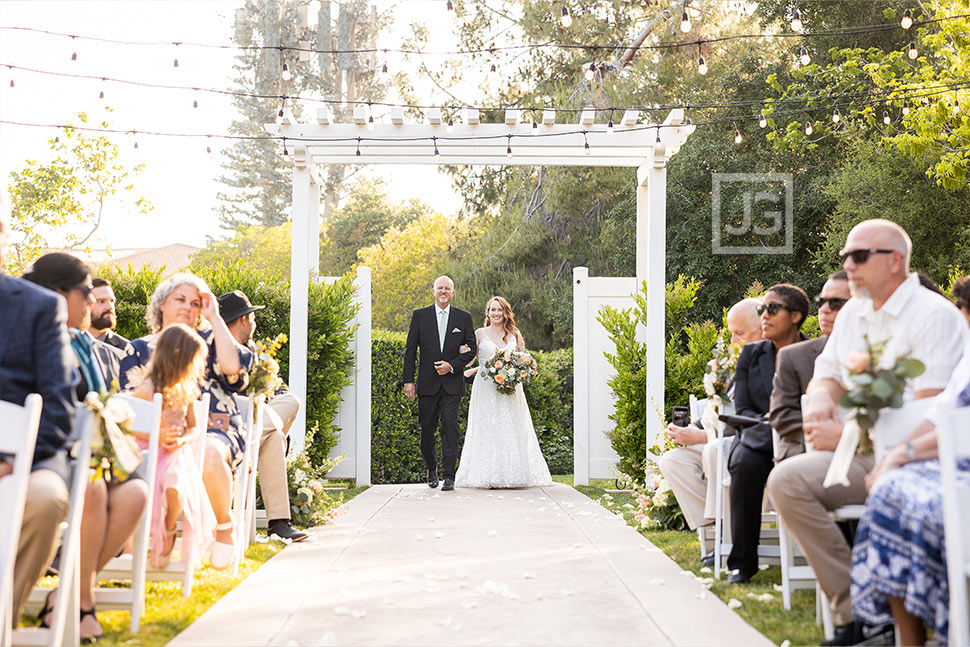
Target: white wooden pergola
[[645, 146]]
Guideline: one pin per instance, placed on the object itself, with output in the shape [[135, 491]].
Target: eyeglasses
[[772, 308], [860, 256], [834, 302], [85, 289]]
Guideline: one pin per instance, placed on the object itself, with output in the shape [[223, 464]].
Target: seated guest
[[239, 315], [898, 561], [111, 347], [112, 509], [185, 298], [795, 366], [961, 293], [36, 352], [783, 311], [690, 469], [888, 305]]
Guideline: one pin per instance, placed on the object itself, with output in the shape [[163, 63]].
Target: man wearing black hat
[[237, 312]]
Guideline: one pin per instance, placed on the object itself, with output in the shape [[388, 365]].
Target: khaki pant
[[691, 473], [795, 488], [272, 457], [46, 507]]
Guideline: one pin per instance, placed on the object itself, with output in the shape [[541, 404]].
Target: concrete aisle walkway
[[406, 565]]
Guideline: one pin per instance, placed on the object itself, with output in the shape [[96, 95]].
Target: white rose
[[118, 411]]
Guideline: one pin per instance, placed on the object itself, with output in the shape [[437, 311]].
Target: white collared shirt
[[947, 401], [914, 320], [438, 312]]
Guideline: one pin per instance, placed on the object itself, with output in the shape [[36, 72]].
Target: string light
[[586, 150], [763, 121], [384, 69], [286, 72], [886, 119], [685, 22], [286, 153], [195, 104], [508, 148], [57, 139], [566, 19], [809, 129], [912, 50], [12, 83], [101, 95], [451, 126], [492, 69], [609, 126], [370, 122], [437, 153], [658, 135], [804, 57], [737, 135], [905, 108], [796, 21], [450, 6], [358, 148], [208, 150], [535, 124], [701, 65], [956, 105], [74, 56], [836, 117], [590, 71], [176, 63], [907, 20]]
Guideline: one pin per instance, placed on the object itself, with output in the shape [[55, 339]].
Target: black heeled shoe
[[47, 608], [87, 640]]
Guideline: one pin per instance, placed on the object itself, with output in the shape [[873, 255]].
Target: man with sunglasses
[[796, 365], [888, 305]]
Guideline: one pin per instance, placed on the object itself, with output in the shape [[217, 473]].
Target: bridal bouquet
[[508, 368], [114, 454], [872, 388]]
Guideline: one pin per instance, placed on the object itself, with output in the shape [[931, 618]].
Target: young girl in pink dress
[[174, 370]]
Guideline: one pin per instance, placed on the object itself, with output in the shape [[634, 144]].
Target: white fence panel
[[593, 400]]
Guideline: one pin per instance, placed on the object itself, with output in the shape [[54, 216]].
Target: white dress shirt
[[914, 320], [947, 401]]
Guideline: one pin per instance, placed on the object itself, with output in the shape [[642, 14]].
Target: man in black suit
[[439, 331]]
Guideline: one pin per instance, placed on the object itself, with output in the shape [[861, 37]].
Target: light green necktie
[[442, 323]]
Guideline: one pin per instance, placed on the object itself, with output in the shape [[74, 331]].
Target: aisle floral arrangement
[[114, 454], [509, 368]]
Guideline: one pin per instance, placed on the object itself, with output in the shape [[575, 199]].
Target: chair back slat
[[954, 443]]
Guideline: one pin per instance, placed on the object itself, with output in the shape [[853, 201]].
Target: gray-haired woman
[[185, 298]]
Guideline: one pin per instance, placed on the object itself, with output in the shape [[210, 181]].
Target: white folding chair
[[244, 481], [18, 435], [132, 567], [954, 443], [179, 568], [65, 620]]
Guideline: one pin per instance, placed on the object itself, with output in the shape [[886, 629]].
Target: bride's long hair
[[509, 324]]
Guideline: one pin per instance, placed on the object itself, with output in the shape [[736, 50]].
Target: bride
[[500, 449]]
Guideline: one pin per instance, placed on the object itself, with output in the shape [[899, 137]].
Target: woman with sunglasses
[[111, 510], [782, 311]]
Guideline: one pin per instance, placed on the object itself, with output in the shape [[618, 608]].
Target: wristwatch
[[910, 451]]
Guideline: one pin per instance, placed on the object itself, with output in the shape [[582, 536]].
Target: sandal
[[222, 553], [162, 559], [47, 608], [90, 638]]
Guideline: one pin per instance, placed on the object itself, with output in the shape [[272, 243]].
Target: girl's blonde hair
[[177, 365], [509, 324]]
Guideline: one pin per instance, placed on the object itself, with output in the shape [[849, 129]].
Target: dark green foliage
[[329, 358], [395, 452]]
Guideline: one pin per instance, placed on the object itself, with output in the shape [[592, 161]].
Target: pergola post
[[304, 265]]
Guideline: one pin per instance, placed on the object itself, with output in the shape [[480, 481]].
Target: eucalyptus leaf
[[911, 367], [882, 389]]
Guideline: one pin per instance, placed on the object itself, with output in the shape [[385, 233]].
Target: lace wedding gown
[[501, 449]]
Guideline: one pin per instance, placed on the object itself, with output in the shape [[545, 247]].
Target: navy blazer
[[423, 334], [36, 357]]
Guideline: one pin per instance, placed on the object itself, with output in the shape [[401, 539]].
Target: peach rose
[[857, 361], [498, 364], [499, 379]]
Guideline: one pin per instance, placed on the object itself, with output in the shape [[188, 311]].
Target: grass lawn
[[769, 617], [167, 613]]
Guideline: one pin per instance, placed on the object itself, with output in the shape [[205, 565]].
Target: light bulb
[[586, 148], [136, 145], [905, 108], [956, 107], [535, 124], [886, 119], [176, 63], [492, 69], [590, 73], [279, 116], [701, 66], [685, 22], [101, 96], [286, 72], [508, 151], [451, 125], [208, 150], [804, 57], [370, 123], [809, 129], [12, 83], [737, 136], [796, 21], [658, 141], [609, 126], [384, 69], [74, 56], [566, 19], [195, 104], [358, 151], [907, 20], [450, 6], [57, 139], [763, 122], [912, 50], [836, 117], [437, 154]]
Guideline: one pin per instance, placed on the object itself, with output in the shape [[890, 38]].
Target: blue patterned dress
[[220, 387], [899, 547]]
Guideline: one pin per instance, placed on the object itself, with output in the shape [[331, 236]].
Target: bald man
[[889, 305], [690, 469]]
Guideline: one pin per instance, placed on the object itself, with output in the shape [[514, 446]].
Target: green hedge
[[331, 313], [395, 451]]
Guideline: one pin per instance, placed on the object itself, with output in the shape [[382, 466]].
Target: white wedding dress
[[501, 449]]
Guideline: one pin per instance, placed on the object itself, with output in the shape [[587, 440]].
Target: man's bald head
[[879, 233], [743, 322], [443, 290]]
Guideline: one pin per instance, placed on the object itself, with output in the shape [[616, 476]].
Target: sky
[[180, 178]]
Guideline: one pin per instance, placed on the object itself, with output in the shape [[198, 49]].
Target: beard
[[858, 292], [105, 321]]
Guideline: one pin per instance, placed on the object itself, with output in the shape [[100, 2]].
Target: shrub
[[395, 451], [331, 312]]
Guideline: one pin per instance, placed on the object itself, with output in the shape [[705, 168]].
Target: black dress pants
[[432, 408], [749, 471]]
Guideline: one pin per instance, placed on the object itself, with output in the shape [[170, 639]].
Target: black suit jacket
[[36, 357], [423, 335], [752, 379]]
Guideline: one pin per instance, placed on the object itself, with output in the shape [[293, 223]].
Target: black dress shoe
[[432, 480], [448, 486], [284, 530], [859, 633], [737, 576], [707, 560]]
